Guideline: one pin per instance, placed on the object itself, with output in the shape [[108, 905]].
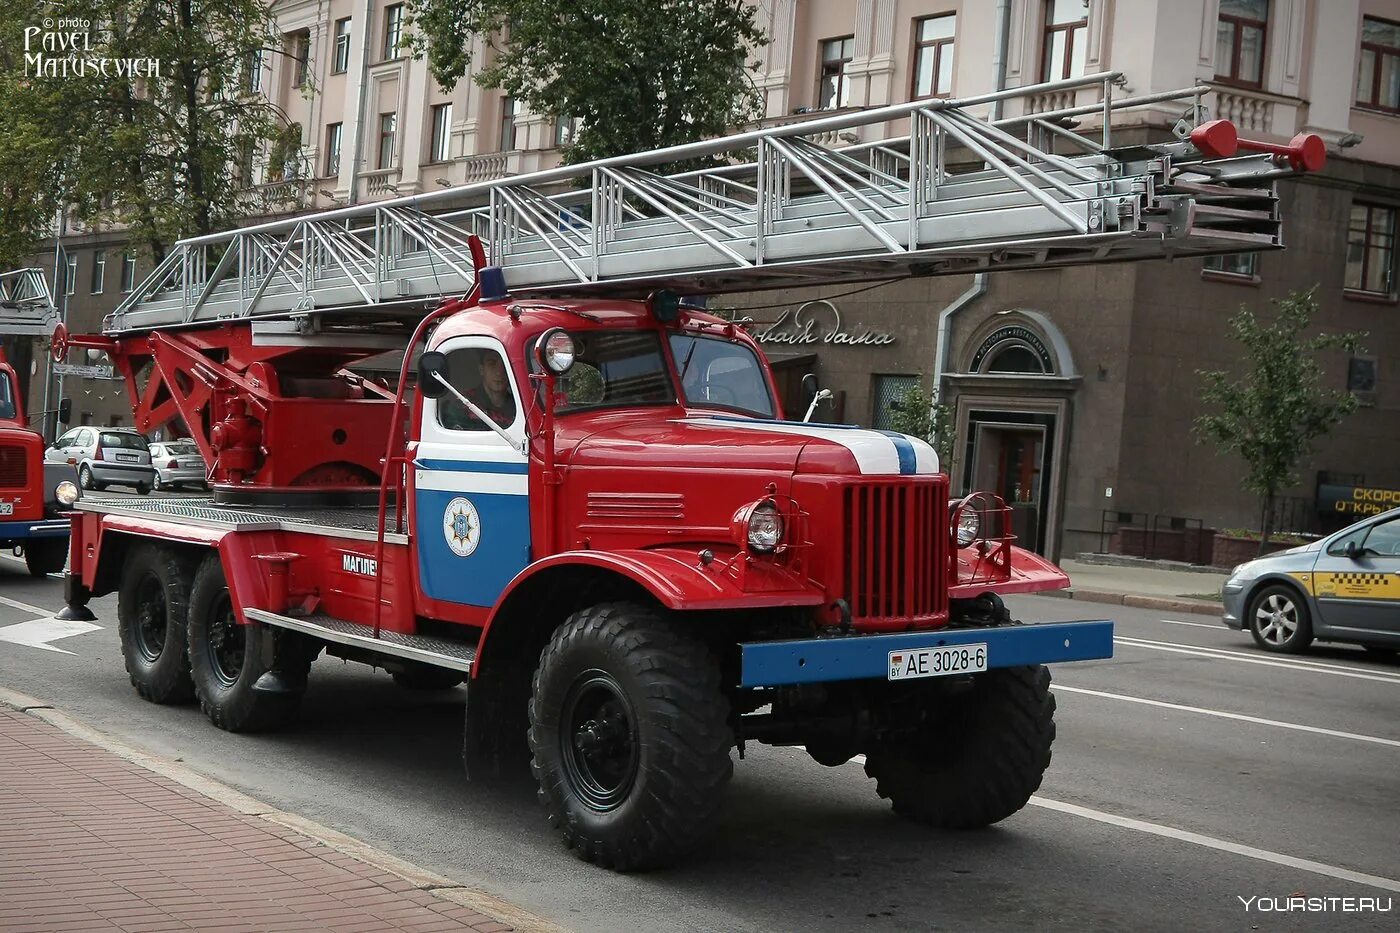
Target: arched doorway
[[1013, 400]]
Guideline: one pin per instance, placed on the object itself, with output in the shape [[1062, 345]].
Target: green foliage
[[1271, 413], [636, 75], [920, 414], [156, 153]]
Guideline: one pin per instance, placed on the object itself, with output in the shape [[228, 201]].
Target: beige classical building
[[1074, 389]]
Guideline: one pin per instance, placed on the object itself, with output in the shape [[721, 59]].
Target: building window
[[128, 273], [1239, 41], [340, 61], [565, 131], [1245, 265], [933, 56], [334, 133], [889, 390], [442, 133], [833, 87], [388, 127], [99, 270], [507, 124], [252, 73], [393, 30], [70, 276], [1066, 35], [1378, 73], [1371, 249], [299, 45]]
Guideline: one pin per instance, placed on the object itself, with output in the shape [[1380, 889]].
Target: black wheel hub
[[226, 642], [599, 739], [151, 618]]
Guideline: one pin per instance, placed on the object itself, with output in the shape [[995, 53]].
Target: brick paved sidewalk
[[89, 841]]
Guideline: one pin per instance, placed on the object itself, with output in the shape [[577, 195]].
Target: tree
[[636, 75], [1276, 408], [920, 414], [152, 139]]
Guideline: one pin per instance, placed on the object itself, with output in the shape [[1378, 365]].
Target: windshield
[[7, 400], [719, 373], [613, 369]]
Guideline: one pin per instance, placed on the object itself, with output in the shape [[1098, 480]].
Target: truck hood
[[726, 443]]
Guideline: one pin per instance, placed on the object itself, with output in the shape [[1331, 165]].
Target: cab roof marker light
[[493, 284]]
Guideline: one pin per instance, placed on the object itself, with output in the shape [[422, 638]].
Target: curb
[[438, 885], [1164, 603]]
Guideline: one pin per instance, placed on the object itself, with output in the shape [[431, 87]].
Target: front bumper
[[1233, 597], [866, 657], [40, 528]]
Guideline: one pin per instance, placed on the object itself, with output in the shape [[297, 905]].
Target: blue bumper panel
[[866, 657], [43, 528]]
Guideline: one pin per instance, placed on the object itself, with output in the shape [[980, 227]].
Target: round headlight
[[765, 527], [66, 493], [557, 351], [969, 526]]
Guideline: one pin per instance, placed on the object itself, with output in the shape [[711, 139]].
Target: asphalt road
[[1165, 803]]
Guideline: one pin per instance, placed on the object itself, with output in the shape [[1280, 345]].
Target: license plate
[[7, 508], [127, 458], [937, 662]]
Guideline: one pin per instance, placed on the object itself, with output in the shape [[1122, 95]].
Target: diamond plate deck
[[348, 522], [439, 652]]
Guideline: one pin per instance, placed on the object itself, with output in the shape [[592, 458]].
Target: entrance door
[[471, 486], [1011, 458]]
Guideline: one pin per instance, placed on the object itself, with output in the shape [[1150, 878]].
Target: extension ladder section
[[26, 308], [956, 193]]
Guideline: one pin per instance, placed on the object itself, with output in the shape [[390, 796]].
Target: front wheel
[[44, 556], [248, 678], [157, 484], [630, 737], [964, 760], [1279, 621], [152, 611]]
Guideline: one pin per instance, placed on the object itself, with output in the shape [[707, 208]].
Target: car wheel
[[86, 479], [156, 483], [142, 488], [1279, 620]]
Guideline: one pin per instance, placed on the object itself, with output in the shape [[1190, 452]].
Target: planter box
[[1191, 546], [1230, 551]]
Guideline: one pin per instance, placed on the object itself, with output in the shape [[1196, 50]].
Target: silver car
[[1344, 587], [106, 457], [177, 463]]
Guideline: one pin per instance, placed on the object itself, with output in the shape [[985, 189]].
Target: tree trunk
[[1266, 523]]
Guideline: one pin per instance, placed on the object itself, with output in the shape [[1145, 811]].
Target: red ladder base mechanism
[[603, 521]]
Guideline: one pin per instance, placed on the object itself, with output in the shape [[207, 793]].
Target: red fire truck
[[34, 495], [582, 497]]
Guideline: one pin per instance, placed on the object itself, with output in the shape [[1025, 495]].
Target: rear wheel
[[86, 479], [44, 556], [249, 678], [970, 759], [152, 611], [157, 484], [630, 737], [1279, 620]]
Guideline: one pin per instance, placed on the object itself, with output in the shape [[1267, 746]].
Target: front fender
[[1029, 573]]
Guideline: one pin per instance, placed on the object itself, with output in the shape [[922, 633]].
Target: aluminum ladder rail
[[785, 207], [26, 307]]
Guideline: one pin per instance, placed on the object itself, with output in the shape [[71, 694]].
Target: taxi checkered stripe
[[1361, 579]]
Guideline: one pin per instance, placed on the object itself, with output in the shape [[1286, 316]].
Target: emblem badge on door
[[461, 526]]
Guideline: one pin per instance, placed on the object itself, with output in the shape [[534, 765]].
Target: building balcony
[[381, 183], [1254, 111]]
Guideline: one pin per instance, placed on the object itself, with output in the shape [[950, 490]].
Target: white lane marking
[[1209, 842], [1222, 714], [1286, 659], [1217, 654], [14, 603], [37, 633], [1221, 845], [1214, 625]]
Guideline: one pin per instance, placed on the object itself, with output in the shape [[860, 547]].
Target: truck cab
[[34, 495]]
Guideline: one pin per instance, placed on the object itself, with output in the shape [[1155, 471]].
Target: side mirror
[[1352, 550], [65, 411], [809, 385], [430, 365]]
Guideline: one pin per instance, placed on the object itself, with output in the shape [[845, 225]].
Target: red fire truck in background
[[589, 505]]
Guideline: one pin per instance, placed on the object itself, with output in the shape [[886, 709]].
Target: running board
[[438, 652]]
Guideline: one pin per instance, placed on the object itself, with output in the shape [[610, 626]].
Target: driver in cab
[[491, 394]]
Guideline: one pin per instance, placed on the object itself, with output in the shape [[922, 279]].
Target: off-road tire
[[979, 756], [225, 688], [1290, 601], [679, 718], [427, 678], [44, 556], [156, 582]]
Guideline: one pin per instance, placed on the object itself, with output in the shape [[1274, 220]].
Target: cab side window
[[480, 374], [1384, 540]]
